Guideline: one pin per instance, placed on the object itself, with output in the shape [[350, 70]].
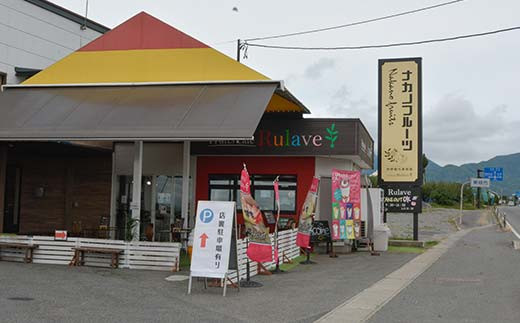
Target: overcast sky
[[470, 87]]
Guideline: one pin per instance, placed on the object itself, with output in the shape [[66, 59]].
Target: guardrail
[[501, 217]]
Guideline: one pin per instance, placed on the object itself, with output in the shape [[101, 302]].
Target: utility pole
[[238, 50], [478, 188]]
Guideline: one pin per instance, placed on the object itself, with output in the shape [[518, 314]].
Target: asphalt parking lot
[[49, 293]]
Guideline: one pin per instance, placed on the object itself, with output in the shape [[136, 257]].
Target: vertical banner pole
[[236, 247]]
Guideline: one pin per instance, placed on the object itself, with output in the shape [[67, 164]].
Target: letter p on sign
[[206, 216]]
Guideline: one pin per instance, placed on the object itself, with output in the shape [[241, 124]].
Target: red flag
[[277, 194], [303, 238], [259, 246]]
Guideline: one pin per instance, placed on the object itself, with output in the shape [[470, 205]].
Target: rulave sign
[[298, 137], [404, 199]]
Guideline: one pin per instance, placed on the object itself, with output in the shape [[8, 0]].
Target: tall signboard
[[400, 135]]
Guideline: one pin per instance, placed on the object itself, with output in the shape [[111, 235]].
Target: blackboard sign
[[402, 199], [320, 231]]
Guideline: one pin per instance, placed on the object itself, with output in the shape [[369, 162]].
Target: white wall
[[33, 37], [324, 165], [158, 159], [323, 168]]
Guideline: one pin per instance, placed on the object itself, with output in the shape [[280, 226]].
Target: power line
[[355, 23], [437, 40]]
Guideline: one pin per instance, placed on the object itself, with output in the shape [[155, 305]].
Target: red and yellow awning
[[145, 49]]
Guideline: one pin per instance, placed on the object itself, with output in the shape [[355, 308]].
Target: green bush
[[444, 193]]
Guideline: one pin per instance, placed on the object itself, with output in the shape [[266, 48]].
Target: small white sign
[[212, 239], [480, 182]]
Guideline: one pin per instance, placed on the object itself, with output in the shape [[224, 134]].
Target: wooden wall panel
[[77, 189]]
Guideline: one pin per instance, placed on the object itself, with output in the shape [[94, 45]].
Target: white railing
[[136, 254], [286, 246]]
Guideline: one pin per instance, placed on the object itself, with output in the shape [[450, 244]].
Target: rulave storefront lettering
[[298, 137]]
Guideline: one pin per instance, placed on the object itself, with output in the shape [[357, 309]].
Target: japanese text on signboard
[[400, 121]]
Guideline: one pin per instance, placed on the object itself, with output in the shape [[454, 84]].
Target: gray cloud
[[316, 70], [455, 133], [343, 104]]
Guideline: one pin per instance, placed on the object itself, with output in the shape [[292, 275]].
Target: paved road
[[512, 216], [46, 293], [475, 281]]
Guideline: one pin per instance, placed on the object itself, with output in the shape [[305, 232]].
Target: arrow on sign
[[203, 239]]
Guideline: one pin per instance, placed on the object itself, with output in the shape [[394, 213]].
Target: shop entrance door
[[160, 207], [12, 199]]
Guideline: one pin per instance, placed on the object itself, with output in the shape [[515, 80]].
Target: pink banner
[[346, 204], [303, 238]]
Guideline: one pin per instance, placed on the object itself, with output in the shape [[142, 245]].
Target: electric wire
[[420, 42], [357, 23]]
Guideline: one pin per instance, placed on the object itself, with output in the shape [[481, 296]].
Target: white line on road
[[365, 304]]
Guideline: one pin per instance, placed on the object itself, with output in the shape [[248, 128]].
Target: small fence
[[136, 254], [286, 247], [163, 256]]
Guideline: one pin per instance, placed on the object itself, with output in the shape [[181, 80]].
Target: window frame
[[235, 187]]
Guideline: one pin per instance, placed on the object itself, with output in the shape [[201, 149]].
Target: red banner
[[303, 238], [259, 247]]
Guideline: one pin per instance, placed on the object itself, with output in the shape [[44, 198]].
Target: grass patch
[[405, 249], [431, 243], [295, 262], [466, 206]]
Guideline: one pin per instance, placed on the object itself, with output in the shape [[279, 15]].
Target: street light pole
[[478, 188], [461, 200]]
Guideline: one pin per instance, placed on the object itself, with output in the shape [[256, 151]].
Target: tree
[[424, 165]]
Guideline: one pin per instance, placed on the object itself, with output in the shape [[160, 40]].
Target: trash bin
[[381, 236]]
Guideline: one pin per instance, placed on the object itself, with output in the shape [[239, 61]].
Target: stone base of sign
[[406, 243]]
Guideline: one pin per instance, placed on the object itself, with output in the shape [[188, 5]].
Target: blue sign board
[[494, 173], [518, 194]]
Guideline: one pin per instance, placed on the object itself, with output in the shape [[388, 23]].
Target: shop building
[[37, 33], [140, 124]]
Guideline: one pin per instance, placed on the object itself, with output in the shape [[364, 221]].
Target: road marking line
[[365, 304], [512, 229]]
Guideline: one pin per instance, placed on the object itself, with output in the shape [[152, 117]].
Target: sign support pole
[[416, 226]]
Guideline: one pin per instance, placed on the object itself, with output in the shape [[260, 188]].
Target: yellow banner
[[399, 121]]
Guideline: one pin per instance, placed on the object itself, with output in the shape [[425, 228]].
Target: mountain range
[[452, 173], [462, 173]]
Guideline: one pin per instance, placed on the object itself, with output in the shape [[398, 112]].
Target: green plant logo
[[333, 135]]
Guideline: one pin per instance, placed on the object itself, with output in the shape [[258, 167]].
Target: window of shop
[[3, 78], [227, 188]]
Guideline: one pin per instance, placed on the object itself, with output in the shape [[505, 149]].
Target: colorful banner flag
[[346, 204], [303, 238], [259, 246]]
